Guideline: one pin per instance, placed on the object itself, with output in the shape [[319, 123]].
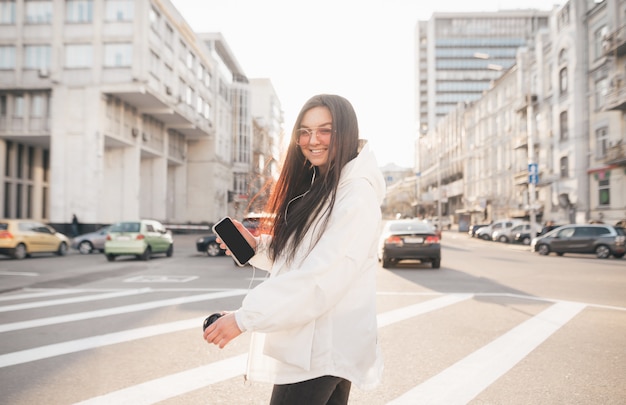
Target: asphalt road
[[495, 325]]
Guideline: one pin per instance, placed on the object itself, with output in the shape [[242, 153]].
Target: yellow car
[[20, 238]]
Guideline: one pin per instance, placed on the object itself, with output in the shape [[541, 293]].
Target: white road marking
[[74, 300], [18, 273], [173, 385], [461, 382], [118, 310]]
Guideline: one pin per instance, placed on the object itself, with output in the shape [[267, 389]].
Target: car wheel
[[111, 257], [170, 251], [387, 263], [543, 250], [19, 252], [526, 240], [618, 255], [85, 247], [146, 254], [603, 252], [62, 250], [485, 237], [503, 239], [436, 263], [213, 249]]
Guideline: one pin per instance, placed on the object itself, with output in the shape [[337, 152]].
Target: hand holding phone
[[240, 249]]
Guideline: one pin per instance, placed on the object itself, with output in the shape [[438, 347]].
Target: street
[[496, 324]]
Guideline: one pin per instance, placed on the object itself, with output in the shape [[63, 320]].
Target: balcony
[[616, 95], [616, 154], [614, 43], [521, 177]]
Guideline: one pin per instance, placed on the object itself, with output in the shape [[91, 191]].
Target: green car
[[138, 238]]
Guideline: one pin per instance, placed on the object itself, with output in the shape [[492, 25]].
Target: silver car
[[92, 241]]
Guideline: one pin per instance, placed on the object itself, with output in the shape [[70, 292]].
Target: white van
[[486, 232]]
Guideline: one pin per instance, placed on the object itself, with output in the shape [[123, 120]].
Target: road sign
[[533, 173]]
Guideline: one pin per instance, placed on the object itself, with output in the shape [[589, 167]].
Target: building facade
[[116, 110], [544, 142]]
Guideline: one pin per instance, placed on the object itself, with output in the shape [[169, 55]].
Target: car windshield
[[409, 226], [125, 227]]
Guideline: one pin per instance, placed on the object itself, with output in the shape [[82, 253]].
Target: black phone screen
[[239, 247]]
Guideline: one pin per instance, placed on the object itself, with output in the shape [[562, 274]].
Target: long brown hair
[[301, 194]]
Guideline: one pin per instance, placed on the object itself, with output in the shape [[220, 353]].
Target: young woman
[[314, 320]]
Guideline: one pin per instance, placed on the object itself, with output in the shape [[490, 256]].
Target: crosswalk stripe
[[74, 300], [118, 310], [160, 389], [461, 382]]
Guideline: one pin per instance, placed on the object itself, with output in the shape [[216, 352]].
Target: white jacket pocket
[[293, 346]]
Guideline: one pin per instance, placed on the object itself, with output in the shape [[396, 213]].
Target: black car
[[207, 244], [525, 238], [599, 239], [409, 240]]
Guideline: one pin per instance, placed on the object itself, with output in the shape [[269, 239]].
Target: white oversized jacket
[[318, 316]]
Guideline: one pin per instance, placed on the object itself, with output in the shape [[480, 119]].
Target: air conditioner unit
[[145, 136], [134, 132], [168, 90], [43, 72]]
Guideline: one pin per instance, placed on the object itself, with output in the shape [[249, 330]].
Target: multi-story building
[[268, 138], [116, 110], [545, 141], [457, 55]]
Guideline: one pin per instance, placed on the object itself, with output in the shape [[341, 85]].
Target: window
[[118, 55], [169, 36], [602, 142], [563, 81], [598, 41], [7, 57], [38, 12], [119, 10], [78, 11], [155, 19], [563, 126], [564, 167], [78, 56], [602, 88], [190, 60], [155, 64], [604, 192], [37, 56], [7, 12]]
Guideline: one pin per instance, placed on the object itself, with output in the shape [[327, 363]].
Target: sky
[[359, 49]]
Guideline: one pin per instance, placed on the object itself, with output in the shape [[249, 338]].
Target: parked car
[[139, 238], [409, 239], [525, 237], [92, 241], [252, 221], [207, 244], [599, 239], [506, 235], [474, 228], [486, 232], [20, 238]]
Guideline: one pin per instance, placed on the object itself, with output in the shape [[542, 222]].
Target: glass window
[[604, 192], [564, 167], [155, 64], [7, 57], [563, 126], [7, 12], [190, 60], [602, 88], [37, 56], [155, 19], [38, 106], [598, 41], [38, 12], [119, 10], [169, 36], [563, 81], [78, 11], [118, 55], [602, 142], [78, 56]]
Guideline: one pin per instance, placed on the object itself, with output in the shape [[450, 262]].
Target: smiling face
[[315, 136]]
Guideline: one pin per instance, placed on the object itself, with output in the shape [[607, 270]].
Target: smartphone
[[240, 249]]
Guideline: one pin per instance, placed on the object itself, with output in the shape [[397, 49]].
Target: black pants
[[326, 390]]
